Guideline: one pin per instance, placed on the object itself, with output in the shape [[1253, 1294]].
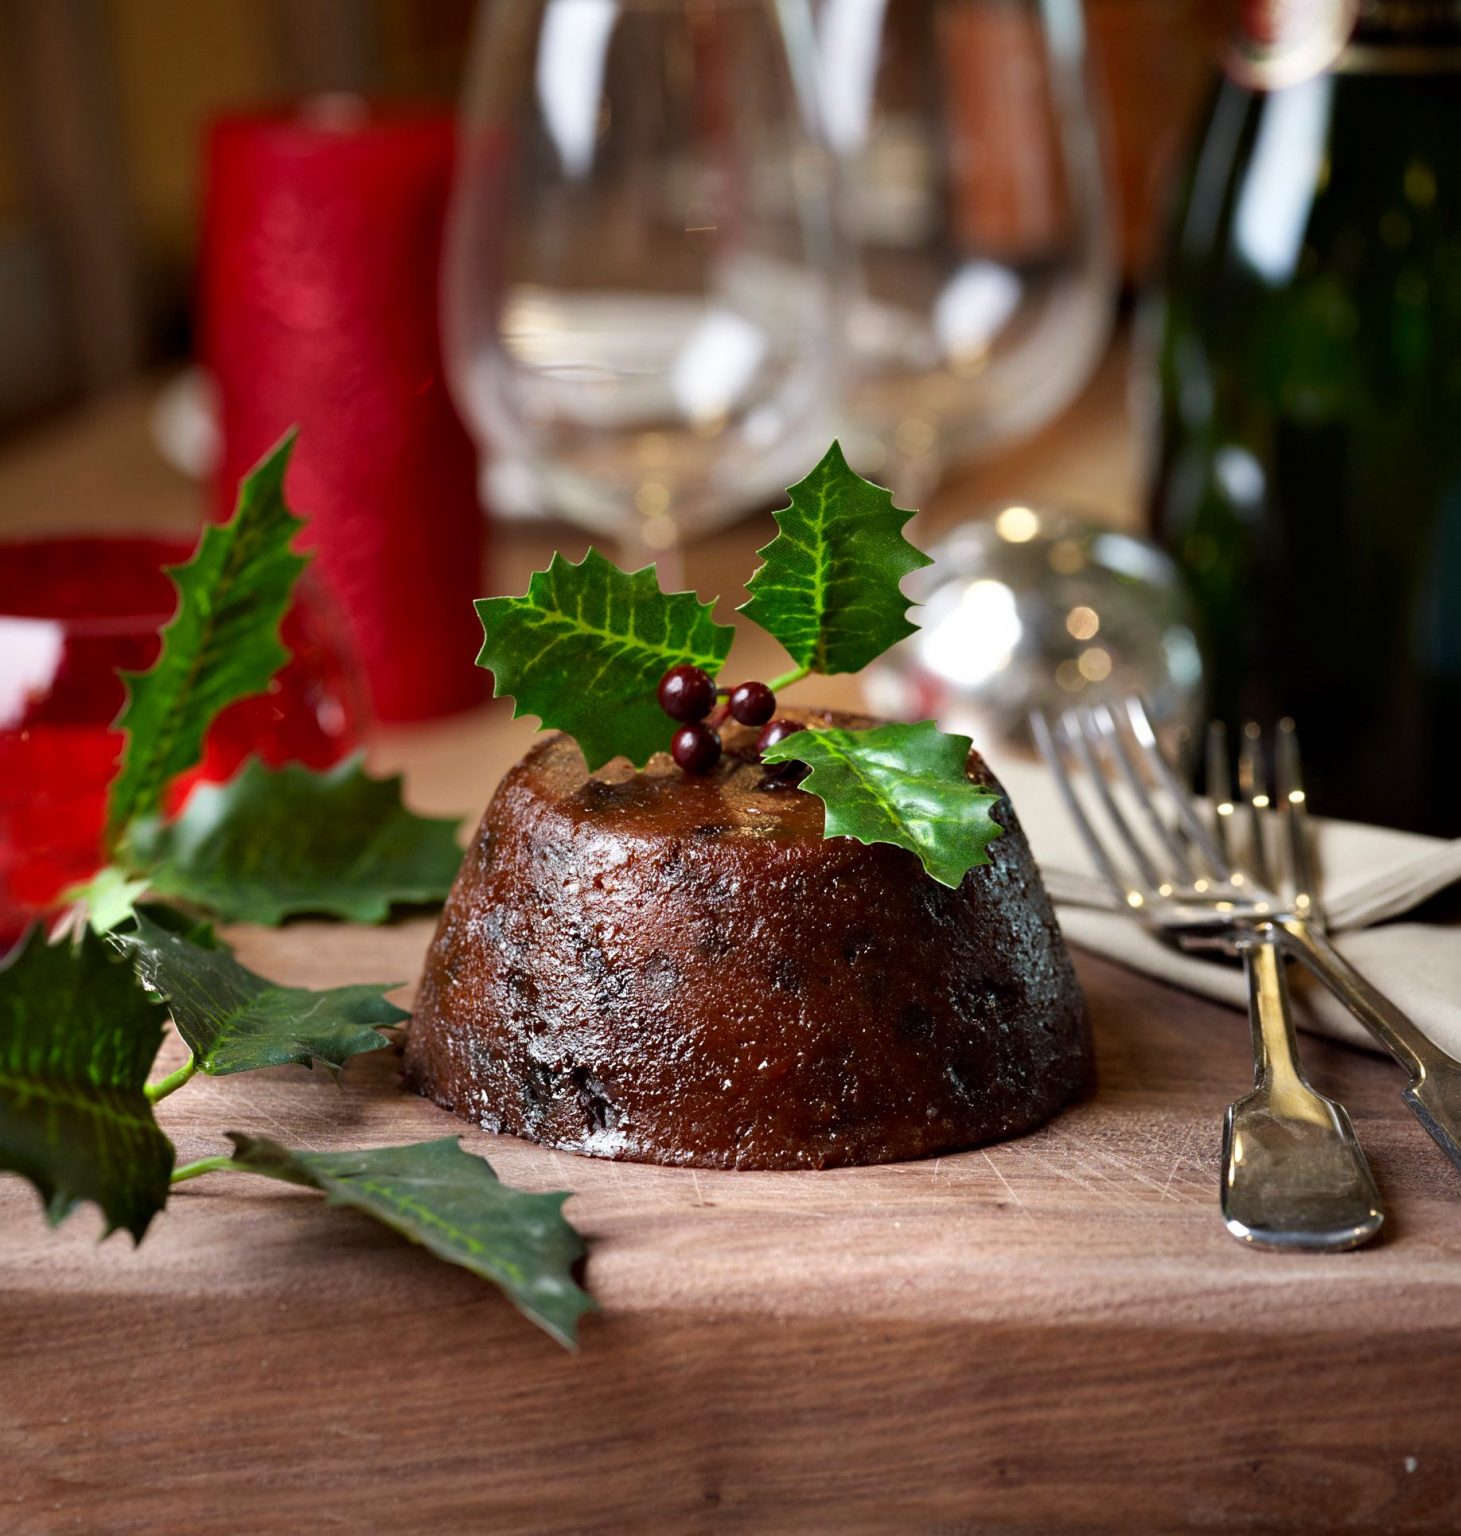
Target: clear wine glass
[[974, 198], [642, 272]]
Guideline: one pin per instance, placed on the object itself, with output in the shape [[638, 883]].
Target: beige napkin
[[1368, 876]]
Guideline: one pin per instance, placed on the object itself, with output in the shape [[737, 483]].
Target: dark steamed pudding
[[683, 970]]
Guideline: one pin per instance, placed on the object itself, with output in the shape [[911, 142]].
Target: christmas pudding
[[746, 936], [680, 968]]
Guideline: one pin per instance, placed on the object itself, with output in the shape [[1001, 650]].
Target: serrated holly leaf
[[222, 643], [77, 1039], [273, 843], [235, 1020], [453, 1204], [585, 647], [829, 586], [901, 784]]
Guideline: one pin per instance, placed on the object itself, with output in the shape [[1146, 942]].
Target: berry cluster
[[687, 695]]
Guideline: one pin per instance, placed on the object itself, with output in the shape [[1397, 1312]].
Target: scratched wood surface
[[1054, 1334]]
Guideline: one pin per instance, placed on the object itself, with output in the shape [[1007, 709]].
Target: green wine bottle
[[1308, 345]]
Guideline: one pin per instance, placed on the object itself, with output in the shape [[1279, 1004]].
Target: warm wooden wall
[[102, 106]]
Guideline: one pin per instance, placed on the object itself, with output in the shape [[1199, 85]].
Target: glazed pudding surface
[[658, 967]]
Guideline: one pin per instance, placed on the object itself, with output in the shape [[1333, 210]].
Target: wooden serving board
[[1052, 1334]]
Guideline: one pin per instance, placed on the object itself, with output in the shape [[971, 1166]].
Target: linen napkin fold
[[1368, 876]]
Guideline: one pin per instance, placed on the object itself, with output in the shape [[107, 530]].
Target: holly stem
[[172, 1082], [788, 678], [203, 1165]]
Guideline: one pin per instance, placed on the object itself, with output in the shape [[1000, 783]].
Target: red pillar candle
[[321, 250]]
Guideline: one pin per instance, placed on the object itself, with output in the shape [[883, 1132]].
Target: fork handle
[[1293, 1174], [1275, 1045], [1434, 1092]]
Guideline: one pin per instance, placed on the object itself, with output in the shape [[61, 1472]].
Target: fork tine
[[1118, 751], [1141, 728], [1084, 734], [1046, 739], [1219, 787], [1253, 787], [1293, 813]]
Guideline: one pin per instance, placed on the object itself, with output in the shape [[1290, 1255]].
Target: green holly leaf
[[901, 784], [829, 588], [275, 842], [235, 1020], [453, 1204], [77, 1039], [585, 647], [222, 644]]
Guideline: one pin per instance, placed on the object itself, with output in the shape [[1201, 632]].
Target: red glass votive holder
[[74, 610]]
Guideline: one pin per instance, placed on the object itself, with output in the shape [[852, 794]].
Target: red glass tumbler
[[75, 609]]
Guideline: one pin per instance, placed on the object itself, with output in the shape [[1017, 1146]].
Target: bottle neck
[[1276, 43]]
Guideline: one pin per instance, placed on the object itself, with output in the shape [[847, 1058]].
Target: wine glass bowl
[[975, 201], [642, 265]]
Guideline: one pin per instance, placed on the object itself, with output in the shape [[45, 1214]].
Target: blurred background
[[1152, 307], [107, 101], [101, 158]]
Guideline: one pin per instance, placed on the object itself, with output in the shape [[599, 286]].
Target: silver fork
[[1293, 1174], [1283, 1142], [1434, 1089]]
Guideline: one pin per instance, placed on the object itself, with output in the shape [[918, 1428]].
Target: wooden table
[[1054, 1334]]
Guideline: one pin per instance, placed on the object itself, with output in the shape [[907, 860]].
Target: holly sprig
[[590, 649], [585, 645], [267, 844], [82, 1018]]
